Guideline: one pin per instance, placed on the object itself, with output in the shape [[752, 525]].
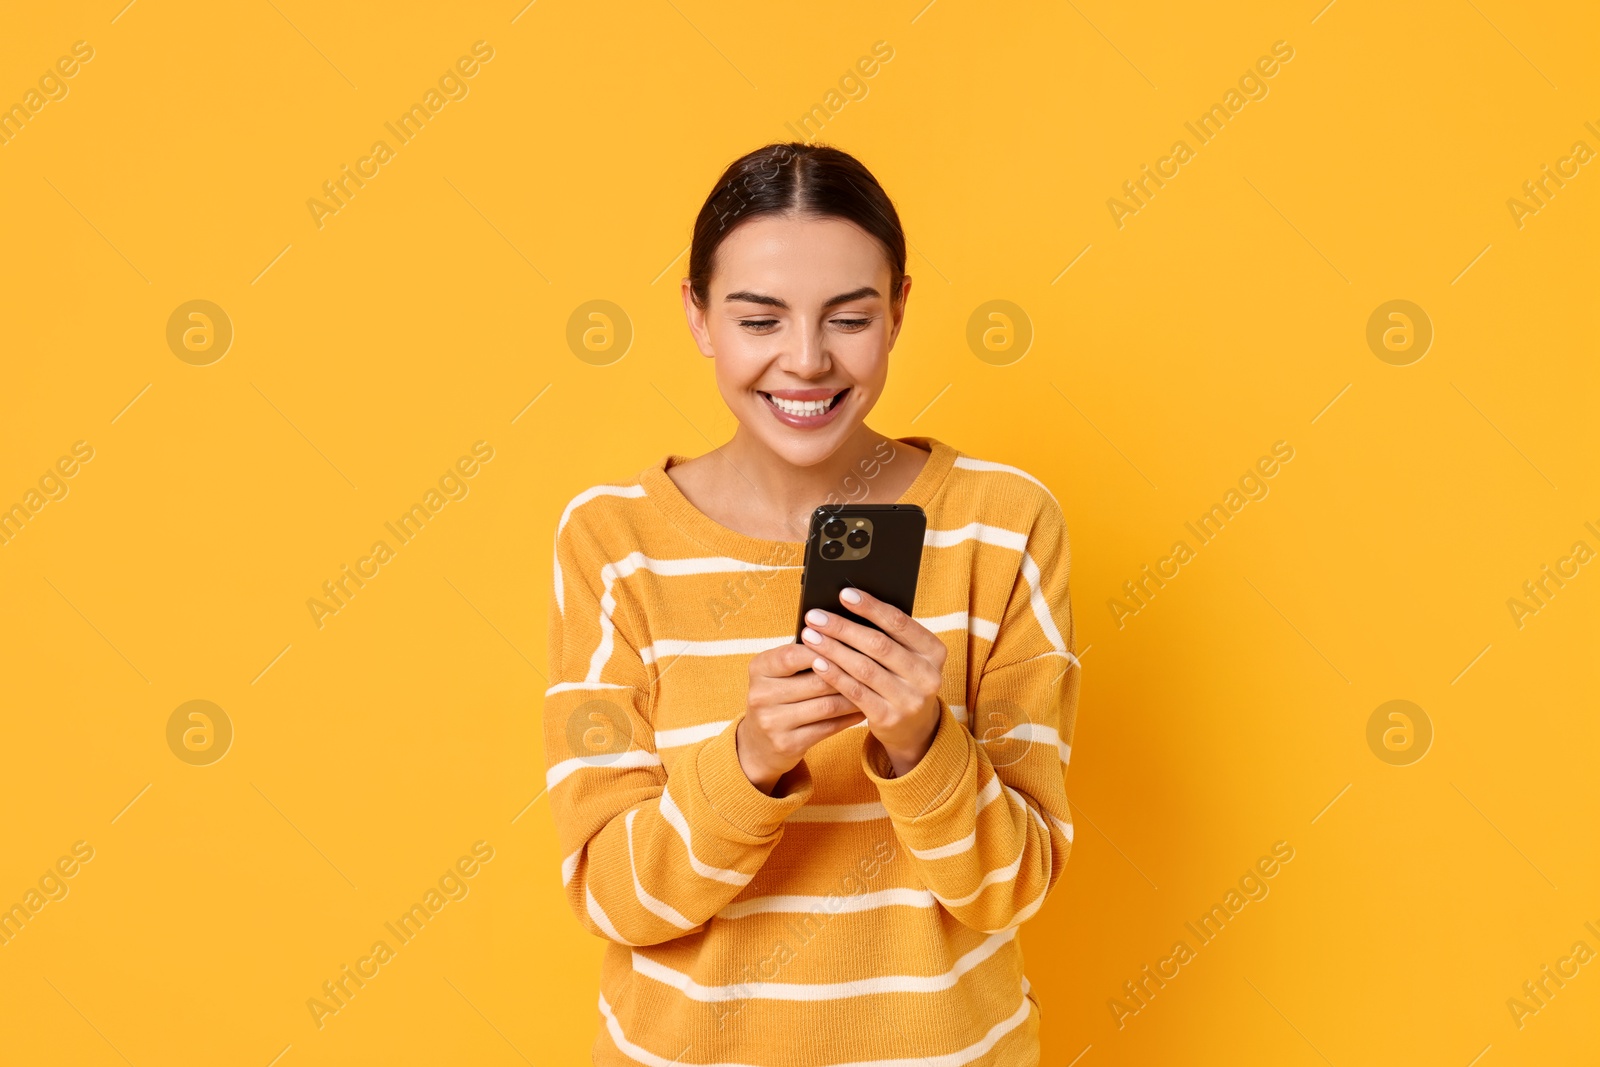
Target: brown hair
[[795, 179]]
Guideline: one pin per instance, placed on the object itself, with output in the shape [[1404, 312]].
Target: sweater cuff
[[935, 777], [751, 815]]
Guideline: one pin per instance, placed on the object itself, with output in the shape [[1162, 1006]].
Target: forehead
[[819, 256]]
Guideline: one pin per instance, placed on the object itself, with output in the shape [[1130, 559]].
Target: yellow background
[[369, 354]]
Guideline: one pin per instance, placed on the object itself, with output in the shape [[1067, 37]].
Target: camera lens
[[858, 538], [832, 550], [833, 528]]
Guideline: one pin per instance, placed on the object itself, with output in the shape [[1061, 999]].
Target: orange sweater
[[859, 919]]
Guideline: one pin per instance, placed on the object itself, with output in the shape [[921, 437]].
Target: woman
[[777, 885]]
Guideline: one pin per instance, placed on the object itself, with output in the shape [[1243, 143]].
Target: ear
[[899, 311], [697, 321]]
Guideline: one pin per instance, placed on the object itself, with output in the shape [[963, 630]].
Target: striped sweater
[[859, 918]]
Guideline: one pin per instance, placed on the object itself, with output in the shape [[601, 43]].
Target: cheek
[[864, 359]]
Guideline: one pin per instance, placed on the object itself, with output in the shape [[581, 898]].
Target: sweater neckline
[[664, 493]]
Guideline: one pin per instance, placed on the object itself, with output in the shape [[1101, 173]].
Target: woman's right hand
[[786, 713]]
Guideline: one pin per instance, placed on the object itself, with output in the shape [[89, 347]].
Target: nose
[[807, 356]]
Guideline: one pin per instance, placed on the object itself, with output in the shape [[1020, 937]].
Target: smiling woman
[[715, 782]]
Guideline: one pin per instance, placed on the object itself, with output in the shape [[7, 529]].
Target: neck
[[787, 493]]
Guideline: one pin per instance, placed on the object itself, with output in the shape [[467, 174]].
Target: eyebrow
[[747, 297]]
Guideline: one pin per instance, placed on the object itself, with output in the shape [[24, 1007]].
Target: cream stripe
[[839, 812], [971, 464], [732, 646], [1004, 874], [569, 866], [1064, 827], [955, 620], [621, 761], [674, 817], [949, 1059], [654, 905], [996, 535], [1022, 915], [989, 792], [884, 898], [1034, 733], [986, 796], [750, 646], [954, 848], [976, 531], [634, 562], [601, 919], [1041, 610], [577, 502], [688, 735], [814, 991], [567, 687]]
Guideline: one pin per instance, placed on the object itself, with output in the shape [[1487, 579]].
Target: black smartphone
[[876, 548]]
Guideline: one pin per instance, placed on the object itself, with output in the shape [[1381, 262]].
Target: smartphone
[[876, 548]]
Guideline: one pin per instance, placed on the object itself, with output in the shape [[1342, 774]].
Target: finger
[[817, 709], [868, 684], [821, 731], [785, 661], [864, 639], [896, 623]]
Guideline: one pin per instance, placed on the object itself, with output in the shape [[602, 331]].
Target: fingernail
[[817, 617], [850, 596], [808, 634], [819, 665]]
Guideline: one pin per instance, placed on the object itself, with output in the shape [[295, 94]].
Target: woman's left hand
[[892, 675]]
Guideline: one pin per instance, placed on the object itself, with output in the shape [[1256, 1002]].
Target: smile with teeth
[[804, 408]]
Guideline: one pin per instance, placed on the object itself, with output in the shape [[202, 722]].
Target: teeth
[[801, 407]]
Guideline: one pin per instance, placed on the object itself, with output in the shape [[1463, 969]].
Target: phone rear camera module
[[858, 538], [833, 528], [832, 550]]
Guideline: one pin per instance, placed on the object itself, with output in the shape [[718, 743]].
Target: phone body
[[876, 548]]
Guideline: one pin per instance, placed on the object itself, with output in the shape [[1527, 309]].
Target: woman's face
[[800, 324]]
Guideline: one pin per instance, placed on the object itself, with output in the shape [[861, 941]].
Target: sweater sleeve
[[984, 814], [649, 855]]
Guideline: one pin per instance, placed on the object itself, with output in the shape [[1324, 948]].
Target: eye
[[758, 325], [852, 324]]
